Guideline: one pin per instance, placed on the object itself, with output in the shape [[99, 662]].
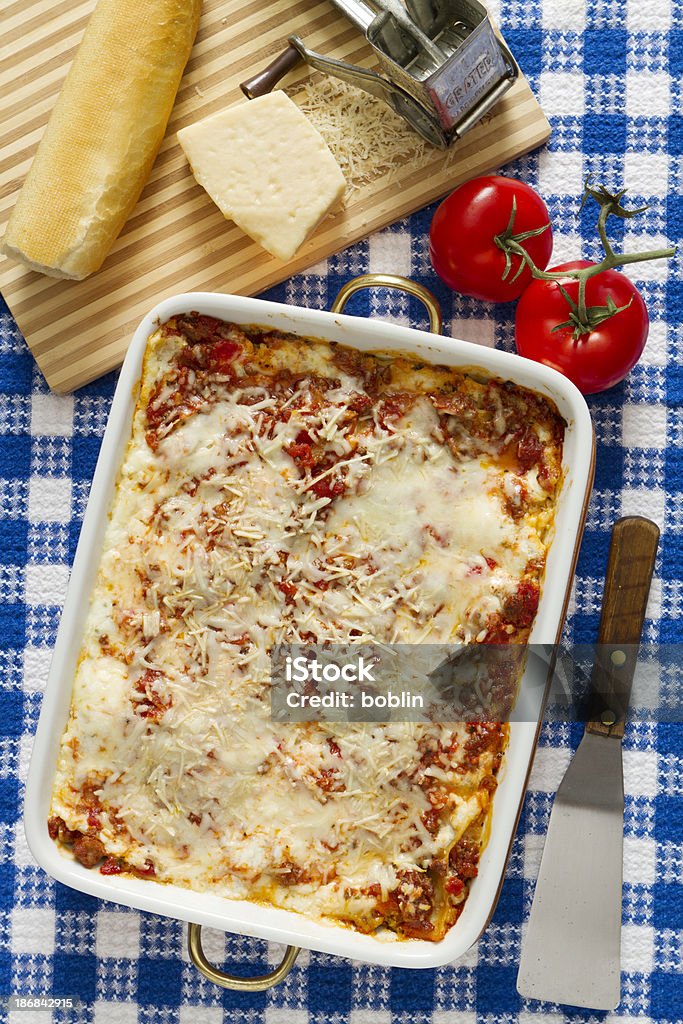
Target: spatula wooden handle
[[627, 584]]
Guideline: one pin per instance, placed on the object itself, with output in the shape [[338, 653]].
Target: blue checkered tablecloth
[[609, 74]]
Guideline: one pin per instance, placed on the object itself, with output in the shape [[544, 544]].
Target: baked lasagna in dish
[[285, 489]]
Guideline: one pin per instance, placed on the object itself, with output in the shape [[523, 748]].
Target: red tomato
[[594, 361], [464, 228]]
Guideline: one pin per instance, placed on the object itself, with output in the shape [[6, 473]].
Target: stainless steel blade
[[571, 952], [362, 16], [358, 13], [399, 13]]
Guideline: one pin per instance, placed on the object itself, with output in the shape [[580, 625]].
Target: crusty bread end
[[13, 253]]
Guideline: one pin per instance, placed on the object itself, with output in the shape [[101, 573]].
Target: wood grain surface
[[631, 563], [176, 239]]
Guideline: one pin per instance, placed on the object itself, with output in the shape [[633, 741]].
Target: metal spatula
[[571, 953]]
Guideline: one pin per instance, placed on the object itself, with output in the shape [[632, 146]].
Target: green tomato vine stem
[[582, 318]]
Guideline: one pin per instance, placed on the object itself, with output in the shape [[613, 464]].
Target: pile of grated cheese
[[367, 138]]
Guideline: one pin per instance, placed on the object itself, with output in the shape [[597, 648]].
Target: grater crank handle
[[297, 52], [362, 78], [266, 80], [357, 12]]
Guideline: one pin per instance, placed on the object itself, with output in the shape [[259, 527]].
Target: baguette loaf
[[102, 137]]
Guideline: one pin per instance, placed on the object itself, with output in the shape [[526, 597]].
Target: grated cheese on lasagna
[[285, 490]]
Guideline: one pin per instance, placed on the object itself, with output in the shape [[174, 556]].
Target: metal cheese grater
[[442, 66]]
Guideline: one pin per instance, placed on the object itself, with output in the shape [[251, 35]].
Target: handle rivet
[[618, 658], [608, 718]]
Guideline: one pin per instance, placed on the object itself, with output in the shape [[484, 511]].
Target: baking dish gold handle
[[402, 284], [225, 980]]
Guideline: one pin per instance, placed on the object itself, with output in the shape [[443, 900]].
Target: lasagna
[[279, 489]]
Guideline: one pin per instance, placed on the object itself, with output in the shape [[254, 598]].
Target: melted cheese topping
[[223, 541]]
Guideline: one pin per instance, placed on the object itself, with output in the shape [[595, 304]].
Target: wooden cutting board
[[176, 239]]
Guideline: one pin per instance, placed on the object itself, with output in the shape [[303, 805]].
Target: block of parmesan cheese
[[267, 168]]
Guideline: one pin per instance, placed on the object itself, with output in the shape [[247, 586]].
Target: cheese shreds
[[285, 490], [366, 137]]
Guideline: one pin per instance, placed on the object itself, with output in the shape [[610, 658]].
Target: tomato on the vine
[[463, 232], [596, 360]]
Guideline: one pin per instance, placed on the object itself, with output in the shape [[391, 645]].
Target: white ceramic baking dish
[[242, 916]]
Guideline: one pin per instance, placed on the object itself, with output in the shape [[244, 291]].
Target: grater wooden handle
[[266, 80], [627, 584]]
